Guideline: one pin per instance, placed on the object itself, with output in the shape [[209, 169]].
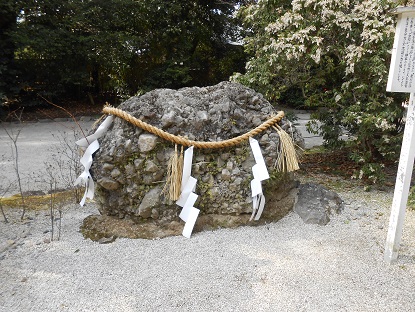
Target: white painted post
[[402, 79], [403, 179]]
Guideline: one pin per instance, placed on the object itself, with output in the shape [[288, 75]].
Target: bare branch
[[66, 111]]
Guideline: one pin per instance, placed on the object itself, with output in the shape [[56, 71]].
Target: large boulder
[[131, 165], [315, 204]]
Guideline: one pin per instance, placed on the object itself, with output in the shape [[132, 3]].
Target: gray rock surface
[[315, 204], [151, 200], [131, 165]]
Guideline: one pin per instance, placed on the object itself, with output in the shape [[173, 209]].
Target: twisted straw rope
[[186, 142]]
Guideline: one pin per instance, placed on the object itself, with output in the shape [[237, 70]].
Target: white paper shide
[[91, 145], [188, 198], [260, 173]]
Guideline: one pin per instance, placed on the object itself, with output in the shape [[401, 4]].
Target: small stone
[[130, 170], [223, 107], [202, 115], [127, 145], [256, 121], [121, 179], [315, 204], [264, 139], [150, 201], [158, 175], [207, 178], [147, 142], [138, 162], [120, 154], [115, 173], [24, 234], [239, 151], [255, 100], [226, 175], [111, 151], [105, 158], [168, 119], [201, 118], [118, 133], [248, 164], [151, 167], [107, 166], [214, 192], [154, 214], [274, 137], [236, 171], [46, 240], [163, 156], [220, 162], [225, 156], [108, 184], [6, 245], [107, 240], [237, 181]]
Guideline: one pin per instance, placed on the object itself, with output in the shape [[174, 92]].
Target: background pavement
[[39, 142], [311, 140], [37, 146]]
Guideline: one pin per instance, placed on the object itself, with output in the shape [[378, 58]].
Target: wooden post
[[403, 180], [402, 79]]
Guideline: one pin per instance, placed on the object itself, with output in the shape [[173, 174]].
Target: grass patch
[[37, 202]]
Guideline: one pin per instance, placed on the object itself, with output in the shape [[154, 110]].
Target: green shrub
[[337, 52]]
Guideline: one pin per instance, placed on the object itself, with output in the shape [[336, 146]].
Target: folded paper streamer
[[260, 173], [91, 145], [187, 197]]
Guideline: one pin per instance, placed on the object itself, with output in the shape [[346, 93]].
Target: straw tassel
[[287, 159], [172, 188]]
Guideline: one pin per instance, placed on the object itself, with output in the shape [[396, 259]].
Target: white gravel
[[284, 266]]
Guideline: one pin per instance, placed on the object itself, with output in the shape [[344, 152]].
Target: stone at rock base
[[150, 201], [315, 204], [107, 240]]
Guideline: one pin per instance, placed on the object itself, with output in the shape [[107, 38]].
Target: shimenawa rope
[[186, 142]]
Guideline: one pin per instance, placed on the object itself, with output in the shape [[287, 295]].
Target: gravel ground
[[283, 266]]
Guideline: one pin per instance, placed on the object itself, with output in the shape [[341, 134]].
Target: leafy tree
[[49, 52], [186, 43], [337, 54], [8, 70], [119, 47]]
